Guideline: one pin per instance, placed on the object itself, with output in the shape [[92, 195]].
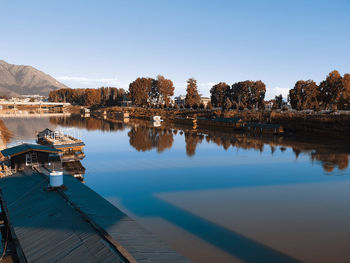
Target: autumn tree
[[257, 94], [192, 96], [209, 106], [139, 91], [330, 90], [311, 95], [218, 93], [92, 97], [344, 100], [165, 88], [278, 102], [228, 104], [88, 97], [79, 96], [62, 95], [153, 93], [295, 96], [111, 96], [248, 94], [239, 94], [304, 95]]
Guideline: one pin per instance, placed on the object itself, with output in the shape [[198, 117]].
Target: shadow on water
[[56, 220], [229, 241]]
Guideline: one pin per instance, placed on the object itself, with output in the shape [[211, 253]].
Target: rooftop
[[26, 147], [75, 225]]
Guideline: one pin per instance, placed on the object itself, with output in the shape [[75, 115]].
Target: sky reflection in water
[[224, 198]]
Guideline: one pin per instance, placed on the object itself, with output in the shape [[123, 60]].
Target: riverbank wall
[[311, 123]]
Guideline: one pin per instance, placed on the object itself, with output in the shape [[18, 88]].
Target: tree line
[[104, 96], [244, 94], [149, 91], [158, 92], [331, 94]]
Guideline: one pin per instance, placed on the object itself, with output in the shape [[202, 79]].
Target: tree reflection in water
[[5, 135], [192, 139], [330, 160], [144, 137]]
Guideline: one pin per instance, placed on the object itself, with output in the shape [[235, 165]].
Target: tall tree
[[227, 105], [92, 97], [239, 94], [218, 93], [344, 101], [139, 91], [192, 96], [296, 95], [330, 90], [165, 88], [304, 95], [248, 94], [310, 100], [257, 92], [278, 102]]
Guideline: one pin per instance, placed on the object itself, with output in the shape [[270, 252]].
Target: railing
[[34, 103]]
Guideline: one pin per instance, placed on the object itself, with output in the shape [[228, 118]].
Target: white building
[[180, 100]]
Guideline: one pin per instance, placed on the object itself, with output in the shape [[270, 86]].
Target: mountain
[[18, 80]]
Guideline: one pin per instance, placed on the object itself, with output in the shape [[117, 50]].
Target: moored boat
[[71, 148]]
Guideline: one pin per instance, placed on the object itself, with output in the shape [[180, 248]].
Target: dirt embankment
[[292, 122], [299, 123]]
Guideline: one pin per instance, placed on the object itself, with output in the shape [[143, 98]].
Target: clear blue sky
[[93, 43]]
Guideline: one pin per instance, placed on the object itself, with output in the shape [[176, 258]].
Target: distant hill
[[18, 80]]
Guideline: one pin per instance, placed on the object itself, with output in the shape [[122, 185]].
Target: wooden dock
[[73, 225]]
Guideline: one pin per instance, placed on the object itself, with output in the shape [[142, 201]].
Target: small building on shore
[[205, 101], [27, 156], [180, 100]]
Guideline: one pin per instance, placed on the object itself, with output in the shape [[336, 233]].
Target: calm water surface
[[215, 196]]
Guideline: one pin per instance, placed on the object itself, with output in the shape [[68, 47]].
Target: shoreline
[[293, 123]]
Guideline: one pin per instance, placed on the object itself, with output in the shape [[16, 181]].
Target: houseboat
[[264, 128], [70, 147], [27, 156]]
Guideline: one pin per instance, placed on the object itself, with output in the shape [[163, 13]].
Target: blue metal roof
[[25, 147], [47, 228], [75, 225]]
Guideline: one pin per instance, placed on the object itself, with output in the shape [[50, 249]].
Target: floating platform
[[73, 225]]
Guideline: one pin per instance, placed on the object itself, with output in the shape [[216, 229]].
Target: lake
[[216, 196]]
